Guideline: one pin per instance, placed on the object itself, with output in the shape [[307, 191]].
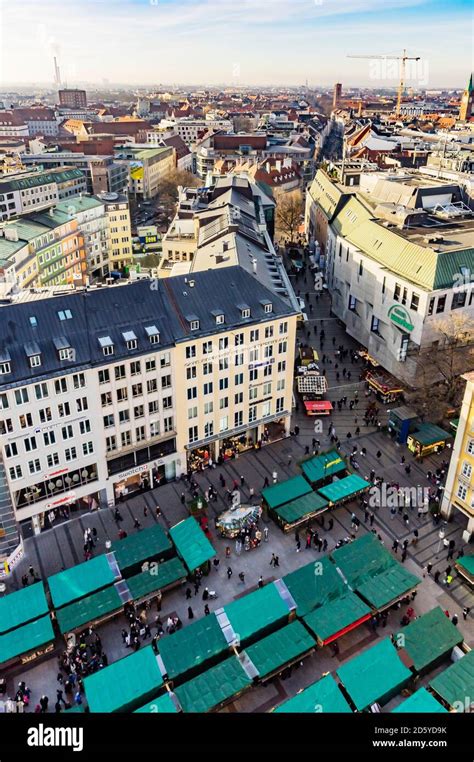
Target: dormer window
[[35, 361], [130, 340], [245, 313], [244, 310], [5, 367], [267, 305], [193, 321], [218, 316], [153, 334], [63, 348], [106, 345]]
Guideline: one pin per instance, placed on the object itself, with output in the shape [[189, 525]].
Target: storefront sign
[[59, 472], [131, 472], [69, 498], [36, 654], [400, 316]]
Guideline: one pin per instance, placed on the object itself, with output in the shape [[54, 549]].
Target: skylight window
[[65, 314]]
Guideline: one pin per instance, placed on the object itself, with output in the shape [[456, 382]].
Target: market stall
[[91, 610], [132, 551], [402, 421], [310, 590], [124, 685], [238, 520], [335, 618], [344, 489], [318, 407], [165, 704], [22, 606], [193, 649], [159, 578], [311, 385], [427, 439], [307, 355], [386, 387], [299, 512], [83, 579], [429, 639], [455, 685], [215, 687], [191, 543], [382, 590], [258, 613], [374, 676], [322, 696], [322, 467], [27, 643], [280, 650], [465, 568], [284, 492]]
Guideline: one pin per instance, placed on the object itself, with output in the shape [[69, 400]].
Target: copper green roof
[[80, 580], [456, 683], [314, 584], [191, 543], [430, 637], [22, 606], [156, 578], [343, 488], [420, 702], [280, 648], [334, 616], [362, 559], [26, 638], [467, 563], [388, 586], [89, 609], [284, 492], [324, 696], [375, 675], [125, 684], [220, 683], [38, 178], [428, 433]]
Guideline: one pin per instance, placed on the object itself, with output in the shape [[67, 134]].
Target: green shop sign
[[400, 316]]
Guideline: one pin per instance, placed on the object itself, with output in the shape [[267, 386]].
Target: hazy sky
[[247, 42]]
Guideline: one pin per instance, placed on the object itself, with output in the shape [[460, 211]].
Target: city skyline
[[224, 43]]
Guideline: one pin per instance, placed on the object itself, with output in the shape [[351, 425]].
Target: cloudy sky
[[247, 42]]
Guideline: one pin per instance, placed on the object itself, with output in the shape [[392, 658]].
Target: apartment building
[[147, 167], [93, 224], [117, 210], [46, 249], [117, 388], [192, 130], [458, 495], [73, 98], [28, 192], [103, 174]]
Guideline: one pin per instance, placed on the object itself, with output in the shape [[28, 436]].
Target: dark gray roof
[[115, 310]]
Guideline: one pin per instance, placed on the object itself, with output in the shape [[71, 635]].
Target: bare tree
[[169, 184], [442, 365], [289, 211]]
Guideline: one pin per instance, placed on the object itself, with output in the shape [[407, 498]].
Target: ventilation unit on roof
[[191, 284]]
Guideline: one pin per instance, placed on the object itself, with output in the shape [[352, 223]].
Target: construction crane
[[404, 58]]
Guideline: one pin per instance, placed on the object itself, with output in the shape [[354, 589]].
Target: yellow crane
[[404, 58]]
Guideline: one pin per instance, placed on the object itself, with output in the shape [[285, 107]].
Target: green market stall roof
[[193, 646], [467, 564], [429, 638], [324, 696], [280, 648], [191, 543], [343, 488], [146, 582], [81, 580], [298, 509], [218, 684], [257, 612], [22, 606], [125, 684], [161, 705], [26, 638], [89, 609], [420, 702], [428, 434], [374, 675], [285, 492], [457, 681], [337, 617], [314, 584], [321, 466], [362, 559], [388, 586], [136, 548]]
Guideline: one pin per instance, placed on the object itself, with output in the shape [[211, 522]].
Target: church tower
[[466, 110]]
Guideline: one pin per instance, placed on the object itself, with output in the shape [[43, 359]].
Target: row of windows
[[121, 394], [126, 439], [207, 369], [52, 459], [47, 439], [119, 372], [239, 340], [224, 421], [138, 412]]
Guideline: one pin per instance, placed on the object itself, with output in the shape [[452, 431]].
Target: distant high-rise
[[73, 98], [57, 73], [466, 110], [337, 94]]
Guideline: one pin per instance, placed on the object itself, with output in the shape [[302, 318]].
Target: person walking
[[436, 575], [260, 581], [466, 610], [229, 572], [188, 593], [395, 546], [190, 613], [207, 610], [242, 578], [265, 534], [454, 619]]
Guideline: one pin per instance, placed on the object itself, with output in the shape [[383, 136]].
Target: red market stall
[[318, 407]]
